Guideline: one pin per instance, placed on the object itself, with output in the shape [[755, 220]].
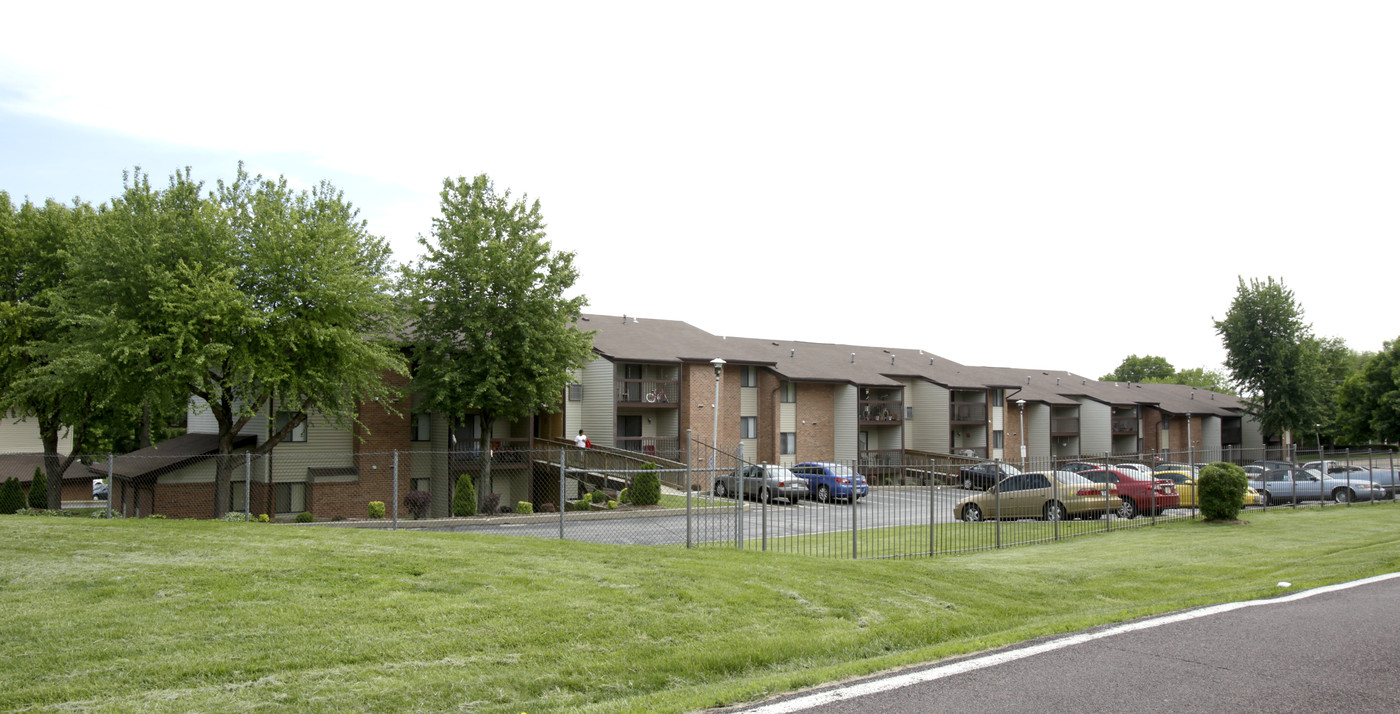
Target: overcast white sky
[[1033, 184]]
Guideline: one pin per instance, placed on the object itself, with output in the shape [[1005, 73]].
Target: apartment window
[[748, 376], [575, 392], [421, 428], [289, 497], [998, 439], [298, 432], [235, 492], [787, 443], [1166, 425], [998, 396], [909, 412], [748, 427], [420, 484], [787, 393]]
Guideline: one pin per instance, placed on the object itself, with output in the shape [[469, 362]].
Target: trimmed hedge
[[39, 490], [1220, 490], [464, 501], [376, 509], [11, 496], [646, 488]]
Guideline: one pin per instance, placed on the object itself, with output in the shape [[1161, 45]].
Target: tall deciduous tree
[[1140, 369], [34, 382], [1270, 357], [1369, 399], [492, 332], [250, 293]]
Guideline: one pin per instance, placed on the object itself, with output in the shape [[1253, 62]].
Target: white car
[[100, 489]]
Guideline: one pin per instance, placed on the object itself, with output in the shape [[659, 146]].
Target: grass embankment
[[197, 615]]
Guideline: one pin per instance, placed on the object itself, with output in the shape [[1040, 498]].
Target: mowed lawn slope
[[196, 615]]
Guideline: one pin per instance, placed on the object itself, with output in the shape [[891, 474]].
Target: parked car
[[1075, 467], [984, 475], [1271, 464], [1052, 495], [1342, 472], [828, 481], [1290, 484], [100, 489], [1140, 495], [1186, 489], [764, 482], [1192, 468], [1133, 469]]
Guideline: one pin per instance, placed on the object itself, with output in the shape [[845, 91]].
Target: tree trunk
[[143, 437], [485, 448]]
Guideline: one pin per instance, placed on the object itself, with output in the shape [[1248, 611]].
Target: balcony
[[665, 447], [1064, 426], [1125, 426], [881, 412], [649, 393], [967, 413], [505, 453]]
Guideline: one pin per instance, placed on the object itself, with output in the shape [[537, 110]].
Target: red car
[[1137, 493]]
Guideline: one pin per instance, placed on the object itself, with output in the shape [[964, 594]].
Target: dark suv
[[985, 475]]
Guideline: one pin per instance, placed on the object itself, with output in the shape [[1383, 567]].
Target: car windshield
[[1010, 470]]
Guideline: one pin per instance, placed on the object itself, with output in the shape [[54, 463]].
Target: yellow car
[[1186, 486]]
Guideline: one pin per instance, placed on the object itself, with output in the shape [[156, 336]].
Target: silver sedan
[[763, 482]]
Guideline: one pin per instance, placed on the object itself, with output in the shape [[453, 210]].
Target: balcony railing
[[881, 412], [967, 412], [510, 452], [666, 447], [649, 392], [1231, 435], [1123, 426], [1064, 426]]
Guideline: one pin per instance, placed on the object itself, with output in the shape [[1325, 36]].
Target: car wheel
[[1128, 510], [1343, 495], [971, 513], [967, 483], [764, 496], [721, 490], [823, 494], [1055, 511]]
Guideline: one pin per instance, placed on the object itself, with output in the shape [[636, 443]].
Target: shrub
[[464, 501], [418, 503], [305, 517], [42, 512], [157, 516], [548, 507], [524, 507], [11, 496], [1220, 489], [600, 496], [376, 509], [39, 490], [264, 518], [646, 489], [491, 503], [624, 496], [102, 513], [612, 504], [234, 517]]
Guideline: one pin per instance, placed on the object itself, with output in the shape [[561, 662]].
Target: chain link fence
[[865, 508]]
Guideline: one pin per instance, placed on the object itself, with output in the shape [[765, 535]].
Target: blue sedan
[[829, 481]]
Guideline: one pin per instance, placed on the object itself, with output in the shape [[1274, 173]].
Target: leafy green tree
[[1369, 399], [1269, 357], [35, 241], [492, 333], [250, 294], [1140, 369], [1200, 377], [39, 490]]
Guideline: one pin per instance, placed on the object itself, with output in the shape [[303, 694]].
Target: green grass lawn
[[198, 615]]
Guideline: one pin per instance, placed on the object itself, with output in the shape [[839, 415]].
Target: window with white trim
[[787, 443], [748, 427], [298, 432]]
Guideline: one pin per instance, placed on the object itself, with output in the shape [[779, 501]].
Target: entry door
[[629, 432]]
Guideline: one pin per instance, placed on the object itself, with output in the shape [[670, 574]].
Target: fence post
[[562, 507], [996, 497], [247, 486], [689, 542], [855, 538], [931, 499], [396, 490], [111, 486], [738, 497]]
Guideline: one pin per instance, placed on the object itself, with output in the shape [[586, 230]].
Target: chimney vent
[[853, 358], [792, 353], [624, 318]]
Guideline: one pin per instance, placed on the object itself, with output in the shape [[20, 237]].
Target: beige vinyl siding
[[1251, 436], [1038, 426], [573, 411], [21, 436], [200, 420], [429, 461], [1211, 446], [844, 402], [326, 446], [928, 430], [998, 424], [1095, 427], [748, 401], [598, 420]]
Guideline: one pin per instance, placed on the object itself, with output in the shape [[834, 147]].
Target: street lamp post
[[714, 432]]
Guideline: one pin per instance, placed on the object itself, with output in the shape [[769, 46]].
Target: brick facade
[[816, 422]]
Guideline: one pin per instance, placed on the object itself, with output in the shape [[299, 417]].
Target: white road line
[[927, 675]]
